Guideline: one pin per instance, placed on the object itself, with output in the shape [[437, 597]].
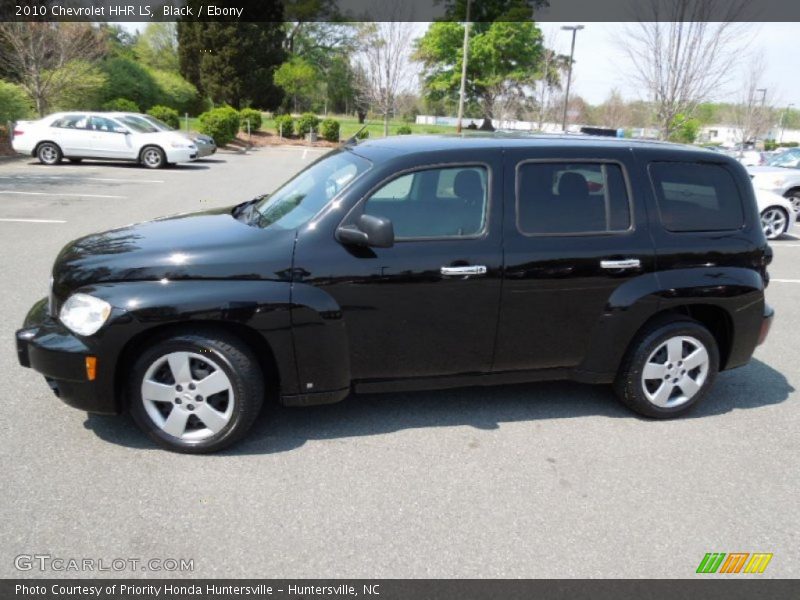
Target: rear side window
[[696, 197], [565, 198]]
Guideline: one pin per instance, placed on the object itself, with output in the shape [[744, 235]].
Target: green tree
[[81, 86], [504, 57], [174, 91], [157, 46], [684, 129], [297, 77], [14, 103], [233, 62]]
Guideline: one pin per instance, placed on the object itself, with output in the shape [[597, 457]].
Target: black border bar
[[704, 587], [400, 10]]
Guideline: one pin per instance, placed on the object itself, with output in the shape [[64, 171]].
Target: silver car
[[205, 143]]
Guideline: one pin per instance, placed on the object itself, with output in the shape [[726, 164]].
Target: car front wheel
[[668, 369], [774, 222], [196, 393], [153, 157], [49, 153]]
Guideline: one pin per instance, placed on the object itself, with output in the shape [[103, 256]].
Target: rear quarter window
[[696, 197]]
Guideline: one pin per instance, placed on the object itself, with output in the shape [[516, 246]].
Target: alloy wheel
[[152, 158], [774, 222], [675, 371], [48, 154], [188, 396]]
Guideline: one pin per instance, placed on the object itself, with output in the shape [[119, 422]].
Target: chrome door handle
[[463, 271], [625, 263]]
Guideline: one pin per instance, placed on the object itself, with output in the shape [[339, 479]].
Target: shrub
[[125, 78], [169, 115], [329, 129], [404, 130], [220, 123], [121, 105], [306, 123], [284, 125], [363, 134], [253, 115], [14, 103]]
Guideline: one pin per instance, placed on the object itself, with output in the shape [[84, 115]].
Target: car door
[[427, 306], [574, 232], [107, 140], [72, 134]]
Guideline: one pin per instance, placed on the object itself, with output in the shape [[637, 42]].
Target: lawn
[[349, 126]]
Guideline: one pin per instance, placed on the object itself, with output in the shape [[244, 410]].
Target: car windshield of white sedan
[[302, 197], [138, 125], [790, 158]]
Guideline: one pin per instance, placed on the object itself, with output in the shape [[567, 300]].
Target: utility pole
[[463, 71], [574, 29], [783, 121]]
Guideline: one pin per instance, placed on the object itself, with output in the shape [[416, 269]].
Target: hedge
[[329, 129], [284, 125], [169, 115], [253, 115], [404, 130], [306, 123], [220, 123]]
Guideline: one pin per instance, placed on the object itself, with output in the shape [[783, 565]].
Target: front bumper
[[178, 155], [49, 348]]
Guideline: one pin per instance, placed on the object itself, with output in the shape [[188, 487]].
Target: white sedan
[[79, 135], [779, 180], [777, 213]]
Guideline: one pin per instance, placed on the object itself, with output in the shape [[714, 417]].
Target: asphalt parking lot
[[544, 480]]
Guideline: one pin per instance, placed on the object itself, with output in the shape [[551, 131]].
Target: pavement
[[541, 480]]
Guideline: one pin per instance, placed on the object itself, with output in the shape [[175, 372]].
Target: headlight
[[180, 144], [84, 314]]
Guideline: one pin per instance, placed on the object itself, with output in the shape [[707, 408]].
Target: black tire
[[630, 386], [227, 353], [49, 153], [152, 157], [793, 196]]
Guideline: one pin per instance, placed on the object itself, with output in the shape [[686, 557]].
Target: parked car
[[205, 143], [748, 156], [785, 158], [777, 214], [412, 263], [784, 181], [77, 135]]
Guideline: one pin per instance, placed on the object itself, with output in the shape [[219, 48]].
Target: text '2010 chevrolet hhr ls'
[[413, 263]]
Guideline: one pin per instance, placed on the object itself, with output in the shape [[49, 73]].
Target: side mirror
[[369, 230]]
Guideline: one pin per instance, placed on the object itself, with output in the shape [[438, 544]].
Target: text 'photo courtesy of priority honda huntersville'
[[415, 263]]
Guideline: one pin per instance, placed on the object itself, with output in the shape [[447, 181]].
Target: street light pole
[[463, 72], [574, 29]]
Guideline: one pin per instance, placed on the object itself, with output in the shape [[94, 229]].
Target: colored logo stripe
[[711, 562], [758, 563], [735, 561]]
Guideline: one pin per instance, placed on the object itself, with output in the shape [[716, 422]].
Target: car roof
[[500, 140]]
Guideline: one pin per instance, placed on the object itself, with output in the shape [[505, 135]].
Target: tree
[[128, 79], [753, 114], [14, 103], [157, 46], [684, 129], [681, 51], [383, 65], [233, 62], [504, 59], [613, 112], [38, 52], [296, 77]]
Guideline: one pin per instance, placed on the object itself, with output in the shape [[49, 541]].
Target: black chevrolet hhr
[[413, 263]]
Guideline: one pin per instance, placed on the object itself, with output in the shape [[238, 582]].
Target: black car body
[[574, 252]]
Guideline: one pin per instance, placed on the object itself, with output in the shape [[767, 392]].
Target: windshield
[[157, 123], [302, 197], [138, 124], [790, 158]]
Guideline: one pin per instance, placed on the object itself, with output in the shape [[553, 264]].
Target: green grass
[[348, 126]]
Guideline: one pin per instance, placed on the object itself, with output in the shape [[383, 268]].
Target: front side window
[[555, 198], [102, 124], [696, 197], [447, 202], [303, 196]]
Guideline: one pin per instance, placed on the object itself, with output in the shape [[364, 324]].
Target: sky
[[600, 63]]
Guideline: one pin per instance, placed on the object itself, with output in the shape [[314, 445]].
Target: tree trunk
[[362, 115], [487, 124], [386, 125]]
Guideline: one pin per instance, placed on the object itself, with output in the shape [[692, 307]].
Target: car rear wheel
[[196, 393], [668, 369], [774, 222], [153, 157], [49, 153]]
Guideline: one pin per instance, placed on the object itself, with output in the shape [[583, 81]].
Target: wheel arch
[[256, 342]]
